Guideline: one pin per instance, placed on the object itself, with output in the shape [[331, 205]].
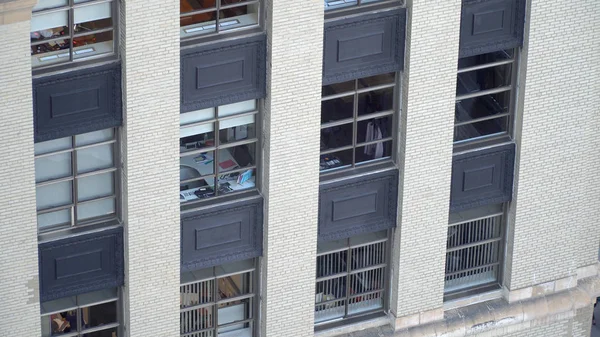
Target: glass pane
[[45, 4], [105, 313], [49, 25], [52, 145], [233, 312], [112, 332], [198, 24], [196, 137], [337, 88], [197, 319], [335, 160], [237, 108], [92, 17], [53, 167], [95, 158], [237, 181], [335, 4], [376, 80], [198, 189], [197, 165], [47, 220], [331, 293], [95, 208], [482, 106], [96, 186], [237, 330], [186, 6], [53, 195], [479, 129], [332, 263], [337, 109], [483, 79], [234, 285], [236, 17], [197, 293], [196, 116], [373, 152], [92, 45], [236, 157], [479, 60], [336, 136], [94, 137], [374, 129], [368, 256], [61, 324], [236, 129], [365, 303], [376, 101]]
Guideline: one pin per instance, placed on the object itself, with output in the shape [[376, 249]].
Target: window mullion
[[347, 299], [71, 23], [75, 181], [216, 130]]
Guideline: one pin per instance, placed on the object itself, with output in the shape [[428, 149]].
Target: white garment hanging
[[373, 133]]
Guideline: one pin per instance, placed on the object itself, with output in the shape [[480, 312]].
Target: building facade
[[345, 168]]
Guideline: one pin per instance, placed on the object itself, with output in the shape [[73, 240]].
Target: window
[[212, 166], [70, 30], [337, 4], [357, 119], [219, 301], [351, 277], [76, 180], [484, 95], [204, 17], [89, 315], [474, 249]]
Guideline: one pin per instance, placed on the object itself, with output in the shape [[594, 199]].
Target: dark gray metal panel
[[482, 177], [223, 72], [364, 46], [77, 102], [491, 25], [362, 204], [221, 234], [81, 264]]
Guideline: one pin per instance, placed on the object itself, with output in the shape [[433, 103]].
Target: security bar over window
[[484, 95], [357, 119], [474, 249], [217, 163], [204, 17], [76, 180], [219, 301], [351, 277], [337, 4], [69, 30]]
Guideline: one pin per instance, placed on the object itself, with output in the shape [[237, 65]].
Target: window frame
[[256, 141], [355, 119], [362, 6], [511, 89], [253, 296], [94, 59], [112, 219]]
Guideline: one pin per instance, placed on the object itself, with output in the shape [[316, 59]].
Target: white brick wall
[[291, 154], [149, 38], [554, 219], [19, 286], [429, 84]]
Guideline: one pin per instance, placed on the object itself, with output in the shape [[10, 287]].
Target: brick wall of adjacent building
[[426, 124], [291, 153], [19, 295], [554, 217], [149, 45]]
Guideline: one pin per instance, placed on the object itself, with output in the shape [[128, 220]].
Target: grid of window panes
[[351, 277], [203, 17], [89, 315], [484, 91], [357, 120], [68, 30], [474, 248], [218, 301], [218, 163], [76, 180], [337, 4]]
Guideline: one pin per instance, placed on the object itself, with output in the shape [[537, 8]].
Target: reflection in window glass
[[202, 17]]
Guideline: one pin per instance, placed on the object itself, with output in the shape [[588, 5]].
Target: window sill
[[362, 171], [74, 66], [220, 201], [354, 324], [470, 297], [345, 12], [79, 230], [481, 145], [195, 41]]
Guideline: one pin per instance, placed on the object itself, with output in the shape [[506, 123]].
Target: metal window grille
[[69, 30], [77, 180], [357, 122], [351, 281], [219, 305], [339, 4], [210, 17], [485, 96], [474, 253]]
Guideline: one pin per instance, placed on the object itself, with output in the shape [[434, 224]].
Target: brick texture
[[291, 164], [19, 286], [554, 217], [149, 44], [428, 94]]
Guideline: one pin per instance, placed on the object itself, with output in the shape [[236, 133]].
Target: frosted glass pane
[[95, 158], [53, 167], [43, 4], [196, 116], [91, 13], [50, 20], [52, 145], [53, 195], [55, 218], [95, 186], [236, 108], [95, 208], [94, 137], [195, 130], [229, 123]]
